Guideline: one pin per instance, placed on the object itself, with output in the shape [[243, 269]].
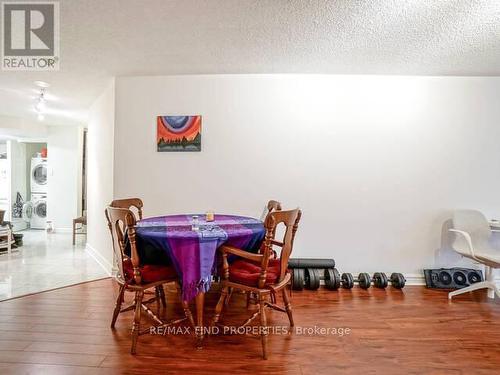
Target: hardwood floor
[[414, 331]]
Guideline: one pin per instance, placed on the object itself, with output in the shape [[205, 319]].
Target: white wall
[[376, 163], [100, 175], [18, 127], [62, 180]]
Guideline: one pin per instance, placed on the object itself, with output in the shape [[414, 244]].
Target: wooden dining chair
[[132, 276], [135, 205], [272, 206], [82, 220], [130, 203], [260, 274]]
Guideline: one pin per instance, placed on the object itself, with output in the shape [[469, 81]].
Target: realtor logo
[[30, 35]]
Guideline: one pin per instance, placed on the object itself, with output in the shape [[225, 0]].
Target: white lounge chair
[[473, 240]]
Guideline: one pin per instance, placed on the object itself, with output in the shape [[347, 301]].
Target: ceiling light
[[42, 84], [40, 105]]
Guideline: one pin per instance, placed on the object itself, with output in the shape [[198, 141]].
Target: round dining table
[[191, 244]]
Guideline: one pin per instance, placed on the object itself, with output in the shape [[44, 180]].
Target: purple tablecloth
[[193, 252]]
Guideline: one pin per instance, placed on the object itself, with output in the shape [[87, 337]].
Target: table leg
[[200, 305]]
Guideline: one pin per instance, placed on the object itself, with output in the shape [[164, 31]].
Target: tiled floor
[[46, 261]]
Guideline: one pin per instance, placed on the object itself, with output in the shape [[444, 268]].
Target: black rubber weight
[[380, 280], [398, 281], [459, 278], [312, 276], [332, 278], [474, 277], [298, 279], [364, 280], [347, 281], [444, 277]]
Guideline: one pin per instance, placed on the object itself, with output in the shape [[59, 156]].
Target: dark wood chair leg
[[263, 325], [288, 306], [137, 320], [119, 301], [157, 300], [229, 294], [252, 299], [220, 305], [162, 296], [199, 329], [187, 312]]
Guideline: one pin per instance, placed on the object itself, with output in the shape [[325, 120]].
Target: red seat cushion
[[247, 273], [150, 273]]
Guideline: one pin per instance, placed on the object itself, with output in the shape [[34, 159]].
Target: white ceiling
[[104, 38]]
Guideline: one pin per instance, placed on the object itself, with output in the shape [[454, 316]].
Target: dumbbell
[[381, 281], [298, 279], [307, 272], [308, 277], [312, 278], [364, 280], [333, 280]]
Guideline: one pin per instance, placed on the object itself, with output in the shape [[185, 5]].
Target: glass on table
[[195, 223]]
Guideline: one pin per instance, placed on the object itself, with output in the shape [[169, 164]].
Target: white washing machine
[[39, 175], [38, 211]]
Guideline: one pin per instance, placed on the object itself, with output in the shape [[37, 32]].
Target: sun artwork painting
[[178, 133]]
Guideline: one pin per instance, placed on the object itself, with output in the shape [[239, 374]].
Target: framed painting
[[178, 133]]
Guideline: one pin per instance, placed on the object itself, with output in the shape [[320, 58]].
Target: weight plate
[[380, 280], [364, 280], [332, 279], [298, 279], [459, 278], [311, 278], [444, 277], [347, 281], [337, 277], [398, 281], [385, 280], [474, 277]]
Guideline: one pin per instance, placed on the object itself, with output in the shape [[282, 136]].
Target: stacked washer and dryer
[[38, 203]]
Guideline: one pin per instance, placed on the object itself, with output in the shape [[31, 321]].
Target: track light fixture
[[40, 104]]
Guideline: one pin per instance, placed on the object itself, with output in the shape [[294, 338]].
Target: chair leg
[[187, 312], [74, 233], [137, 320], [229, 294], [252, 298], [490, 276], [119, 301], [162, 296], [263, 325], [288, 306], [476, 286], [157, 300], [220, 305]]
